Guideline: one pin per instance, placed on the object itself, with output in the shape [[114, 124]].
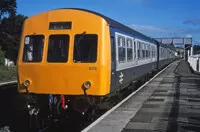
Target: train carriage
[[166, 55], [71, 54], [133, 56]]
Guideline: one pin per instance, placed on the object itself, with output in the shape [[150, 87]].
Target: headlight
[[87, 84], [26, 83]]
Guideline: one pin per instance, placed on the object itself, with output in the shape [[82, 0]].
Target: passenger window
[[139, 47], [58, 48], [33, 48], [153, 51], [121, 49], [149, 53], [146, 49], [160, 53], [164, 53], [134, 50], [129, 49], [143, 50], [85, 48]]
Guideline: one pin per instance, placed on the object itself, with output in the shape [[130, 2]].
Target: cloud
[[160, 32], [148, 28], [188, 36], [154, 31], [192, 21]]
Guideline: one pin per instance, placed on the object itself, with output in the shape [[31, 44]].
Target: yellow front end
[[66, 77]]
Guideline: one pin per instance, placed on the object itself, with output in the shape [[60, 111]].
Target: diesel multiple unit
[[73, 57]]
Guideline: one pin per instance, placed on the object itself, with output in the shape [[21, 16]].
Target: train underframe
[[44, 109]]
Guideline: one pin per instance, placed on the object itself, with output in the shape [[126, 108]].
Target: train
[[71, 58]]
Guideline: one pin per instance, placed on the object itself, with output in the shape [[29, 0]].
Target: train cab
[[63, 51]]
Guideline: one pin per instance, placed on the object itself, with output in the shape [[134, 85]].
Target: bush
[[8, 73]]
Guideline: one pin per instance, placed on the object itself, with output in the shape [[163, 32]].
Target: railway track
[[5, 85], [8, 90]]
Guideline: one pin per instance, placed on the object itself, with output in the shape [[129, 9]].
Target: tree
[[10, 34], [7, 6], [10, 28]]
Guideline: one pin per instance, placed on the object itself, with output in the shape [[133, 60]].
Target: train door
[[113, 63]]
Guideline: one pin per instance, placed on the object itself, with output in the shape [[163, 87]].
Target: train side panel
[[123, 76]]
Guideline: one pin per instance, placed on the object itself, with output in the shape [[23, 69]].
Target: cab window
[[58, 48], [33, 48], [85, 48]]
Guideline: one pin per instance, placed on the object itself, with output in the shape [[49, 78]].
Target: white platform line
[[5, 83], [116, 106]]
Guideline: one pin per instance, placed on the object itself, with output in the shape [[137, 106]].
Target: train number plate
[[93, 68]]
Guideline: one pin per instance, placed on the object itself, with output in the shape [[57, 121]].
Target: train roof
[[117, 25]]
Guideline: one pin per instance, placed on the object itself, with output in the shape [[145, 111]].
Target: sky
[[154, 18]]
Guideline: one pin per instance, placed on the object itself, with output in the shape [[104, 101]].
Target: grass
[[8, 73]]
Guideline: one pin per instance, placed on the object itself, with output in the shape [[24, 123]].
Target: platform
[[169, 102], [7, 83]]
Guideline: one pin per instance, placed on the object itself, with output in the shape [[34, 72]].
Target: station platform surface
[[169, 102]]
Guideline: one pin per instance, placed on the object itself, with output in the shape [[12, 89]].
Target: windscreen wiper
[[76, 46]]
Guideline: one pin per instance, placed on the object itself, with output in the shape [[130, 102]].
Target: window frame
[[137, 47], [129, 47], [67, 59], [134, 50], [42, 54], [139, 50], [122, 45], [83, 62]]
